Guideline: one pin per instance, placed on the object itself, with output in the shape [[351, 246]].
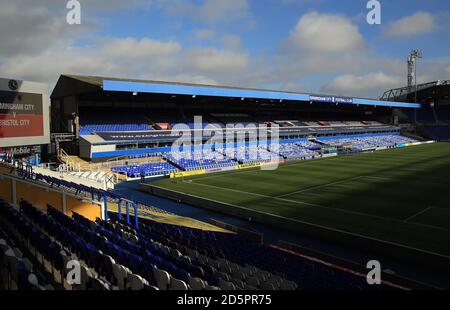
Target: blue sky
[[320, 46]]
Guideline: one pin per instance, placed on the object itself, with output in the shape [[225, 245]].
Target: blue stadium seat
[[199, 159], [153, 169], [104, 122], [162, 255]]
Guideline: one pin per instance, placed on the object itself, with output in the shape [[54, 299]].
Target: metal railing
[[403, 91]]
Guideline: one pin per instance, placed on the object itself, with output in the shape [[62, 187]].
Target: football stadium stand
[[370, 142], [443, 113], [432, 120], [437, 132], [37, 245], [298, 150], [107, 122], [17, 270], [198, 159], [250, 154], [437, 126], [229, 157], [114, 255], [154, 169]]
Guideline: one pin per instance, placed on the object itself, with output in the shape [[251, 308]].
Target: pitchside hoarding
[[24, 113]]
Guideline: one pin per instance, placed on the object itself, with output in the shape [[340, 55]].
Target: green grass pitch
[[397, 195]]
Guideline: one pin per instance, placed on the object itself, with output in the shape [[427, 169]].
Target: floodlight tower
[[412, 68], [412, 73]]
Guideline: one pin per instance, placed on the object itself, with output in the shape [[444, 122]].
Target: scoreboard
[[24, 114], [20, 115]]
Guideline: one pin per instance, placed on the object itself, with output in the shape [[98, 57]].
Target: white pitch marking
[[320, 186], [417, 214]]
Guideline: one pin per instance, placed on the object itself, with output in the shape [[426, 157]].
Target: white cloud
[[432, 69], [384, 74], [28, 29], [188, 78], [325, 33], [293, 86], [208, 11], [202, 34], [323, 46], [212, 60], [231, 41], [176, 7], [373, 84], [37, 44], [130, 57], [60, 6], [146, 48], [214, 11], [413, 25], [113, 4]]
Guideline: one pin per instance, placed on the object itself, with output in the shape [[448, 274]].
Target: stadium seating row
[[199, 159], [220, 158], [146, 170], [109, 122], [114, 255], [298, 150], [250, 154], [103, 122], [245, 264], [361, 143], [17, 272]]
